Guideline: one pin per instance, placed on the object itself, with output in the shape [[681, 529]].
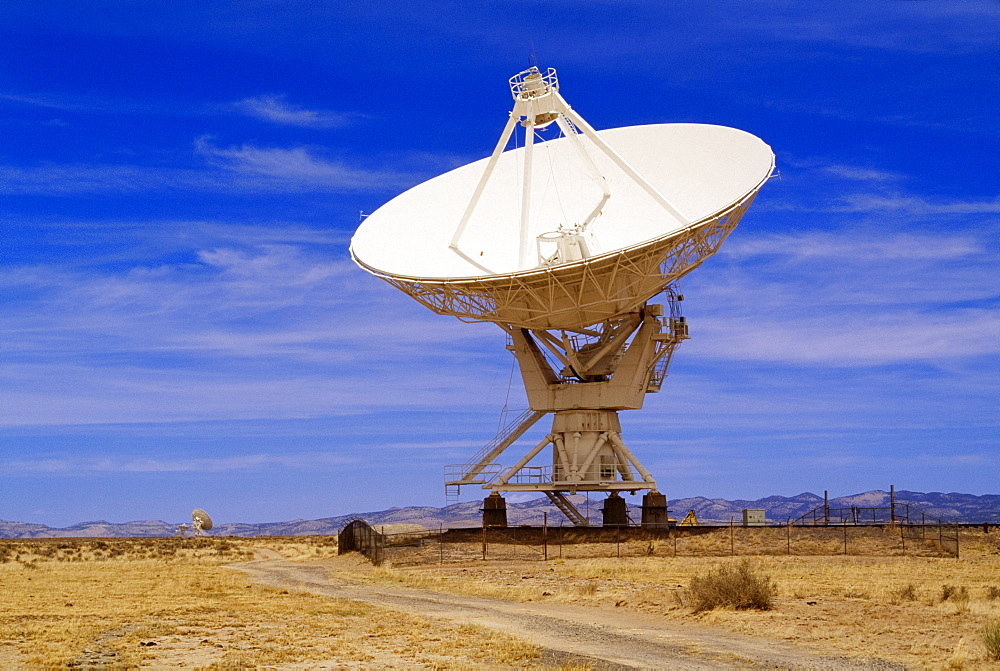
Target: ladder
[[465, 474], [567, 508]]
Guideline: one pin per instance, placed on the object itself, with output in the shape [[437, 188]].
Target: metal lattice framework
[[580, 294]]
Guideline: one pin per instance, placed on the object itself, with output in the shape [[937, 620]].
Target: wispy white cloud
[[906, 204], [244, 169], [987, 460], [41, 101], [898, 26], [775, 32], [250, 326], [141, 464], [296, 168], [68, 101], [861, 174], [950, 124], [77, 178], [276, 109], [258, 329], [852, 297], [849, 338], [817, 185], [858, 245]]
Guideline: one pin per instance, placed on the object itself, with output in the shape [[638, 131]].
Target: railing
[[455, 473], [511, 429], [532, 475], [531, 83], [673, 329]]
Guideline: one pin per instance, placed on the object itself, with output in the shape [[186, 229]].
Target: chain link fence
[[547, 543]]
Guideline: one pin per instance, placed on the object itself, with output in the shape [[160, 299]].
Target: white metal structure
[[200, 523], [563, 242]]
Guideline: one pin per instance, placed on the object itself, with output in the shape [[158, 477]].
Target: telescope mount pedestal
[[583, 378]]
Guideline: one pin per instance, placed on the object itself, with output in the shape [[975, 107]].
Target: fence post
[[732, 543], [788, 535], [545, 536], [956, 540]]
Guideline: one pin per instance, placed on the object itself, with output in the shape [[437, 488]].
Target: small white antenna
[[200, 523]]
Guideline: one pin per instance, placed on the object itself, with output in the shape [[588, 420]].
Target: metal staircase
[[456, 475], [567, 508]]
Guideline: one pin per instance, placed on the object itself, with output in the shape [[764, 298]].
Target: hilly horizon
[[951, 507]]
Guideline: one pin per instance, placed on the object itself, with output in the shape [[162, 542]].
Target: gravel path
[[568, 634]]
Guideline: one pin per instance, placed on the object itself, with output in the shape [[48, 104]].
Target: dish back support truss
[[582, 294]]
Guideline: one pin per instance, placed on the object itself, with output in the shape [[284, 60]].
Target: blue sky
[[181, 325]]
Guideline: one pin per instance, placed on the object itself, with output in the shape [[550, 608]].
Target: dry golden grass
[[400, 528], [160, 602], [889, 606], [298, 548], [104, 601], [386, 575], [991, 639]]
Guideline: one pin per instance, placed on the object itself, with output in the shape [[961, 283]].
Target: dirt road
[[568, 634]]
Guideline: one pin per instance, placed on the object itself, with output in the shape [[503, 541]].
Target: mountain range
[[952, 507]]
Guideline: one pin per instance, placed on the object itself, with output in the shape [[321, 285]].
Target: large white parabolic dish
[[710, 173]]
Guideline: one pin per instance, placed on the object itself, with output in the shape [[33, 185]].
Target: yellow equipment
[[691, 520]]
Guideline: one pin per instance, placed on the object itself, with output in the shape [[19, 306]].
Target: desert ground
[[227, 603]]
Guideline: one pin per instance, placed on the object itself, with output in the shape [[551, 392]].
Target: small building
[[753, 517]]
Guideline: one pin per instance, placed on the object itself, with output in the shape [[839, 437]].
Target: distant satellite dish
[[200, 521]]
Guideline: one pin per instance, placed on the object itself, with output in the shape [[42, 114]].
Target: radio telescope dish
[[567, 232], [200, 521], [562, 242]]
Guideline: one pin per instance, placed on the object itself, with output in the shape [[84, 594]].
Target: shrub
[[992, 592], [733, 586], [958, 596], [908, 593], [952, 593], [991, 639]]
